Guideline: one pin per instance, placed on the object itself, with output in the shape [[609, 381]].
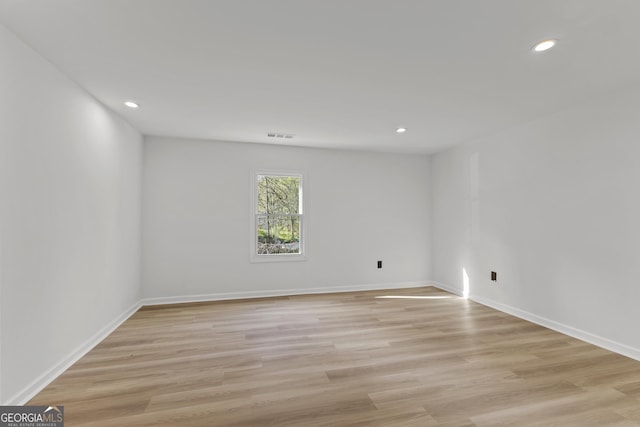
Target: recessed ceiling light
[[544, 45], [131, 104], [401, 130]]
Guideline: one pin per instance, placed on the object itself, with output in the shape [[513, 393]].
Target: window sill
[[277, 258]]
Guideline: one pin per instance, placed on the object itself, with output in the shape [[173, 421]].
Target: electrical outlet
[[379, 264], [494, 276]]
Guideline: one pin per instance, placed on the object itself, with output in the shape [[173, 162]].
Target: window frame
[[253, 240]]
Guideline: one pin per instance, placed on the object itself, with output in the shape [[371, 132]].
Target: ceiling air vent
[[280, 135]]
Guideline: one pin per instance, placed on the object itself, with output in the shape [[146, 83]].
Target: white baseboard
[[585, 336], [277, 293], [26, 394]]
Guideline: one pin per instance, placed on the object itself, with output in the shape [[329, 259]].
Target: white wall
[[69, 218], [556, 214], [361, 207]]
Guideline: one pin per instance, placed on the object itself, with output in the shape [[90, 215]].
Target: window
[[277, 226]]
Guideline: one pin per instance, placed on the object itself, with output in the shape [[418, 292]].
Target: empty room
[[319, 213]]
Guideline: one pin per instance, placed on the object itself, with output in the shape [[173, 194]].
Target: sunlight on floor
[[414, 297]]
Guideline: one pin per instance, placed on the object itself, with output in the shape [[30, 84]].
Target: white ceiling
[[336, 73]]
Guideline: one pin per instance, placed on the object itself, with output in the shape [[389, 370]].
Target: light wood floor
[[344, 359]]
